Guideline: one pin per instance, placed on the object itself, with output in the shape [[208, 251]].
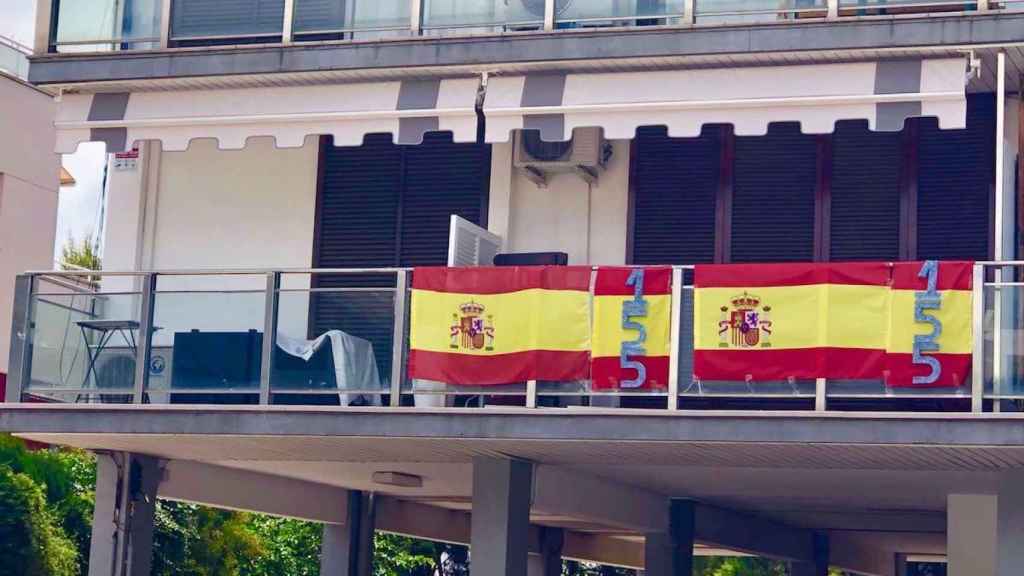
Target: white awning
[[408, 109], [884, 93]]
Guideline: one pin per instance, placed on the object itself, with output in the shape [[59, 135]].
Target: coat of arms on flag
[[745, 323], [544, 318]]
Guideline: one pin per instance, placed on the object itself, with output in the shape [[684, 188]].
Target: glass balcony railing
[[14, 58], [476, 16], [109, 25], [105, 25], [341, 337]]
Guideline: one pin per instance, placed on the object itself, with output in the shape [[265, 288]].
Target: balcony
[[107, 25], [80, 338]]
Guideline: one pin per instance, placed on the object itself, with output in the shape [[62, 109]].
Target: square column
[[122, 525], [347, 549], [819, 567], [984, 532], [671, 553], [499, 535]]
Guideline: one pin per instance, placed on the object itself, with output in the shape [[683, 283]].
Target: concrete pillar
[[671, 553], [122, 528], [984, 532], [501, 516], [347, 549], [819, 567], [549, 561]]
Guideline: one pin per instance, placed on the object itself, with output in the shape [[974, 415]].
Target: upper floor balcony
[[113, 25], [83, 41]]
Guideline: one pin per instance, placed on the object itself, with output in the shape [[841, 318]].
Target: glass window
[[617, 12], [336, 16], [101, 25], [483, 15], [739, 11]]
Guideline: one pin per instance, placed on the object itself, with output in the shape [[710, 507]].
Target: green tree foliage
[[80, 254], [194, 540], [400, 555], [32, 542], [289, 546]]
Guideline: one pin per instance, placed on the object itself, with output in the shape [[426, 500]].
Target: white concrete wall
[[561, 217], [29, 183], [208, 208]]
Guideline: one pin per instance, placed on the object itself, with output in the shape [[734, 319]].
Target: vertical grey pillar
[[122, 529], [984, 531], [501, 516], [671, 553], [549, 560], [820, 565], [347, 549]]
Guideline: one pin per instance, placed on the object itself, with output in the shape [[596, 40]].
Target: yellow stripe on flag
[[521, 321], [954, 314], [609, 334], [805, 316]]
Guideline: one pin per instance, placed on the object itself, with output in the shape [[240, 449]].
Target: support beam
[[454, 527], [671, 553], [562, 492], [501, 515], [752, 534], [125, 505], [218, 486]]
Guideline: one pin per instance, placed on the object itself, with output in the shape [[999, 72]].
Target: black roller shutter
[[865, 207], [384, 205], [234, 18], [442, 178], [773, 205], [955, 180], [675, 182]]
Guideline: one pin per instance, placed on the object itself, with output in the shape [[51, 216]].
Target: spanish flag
[[488, 326], [631, 350], [856, 321]]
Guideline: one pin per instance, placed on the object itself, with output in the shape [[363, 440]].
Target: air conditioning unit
[[115, 369], [585, 155]]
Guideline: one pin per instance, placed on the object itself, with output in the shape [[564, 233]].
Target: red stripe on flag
[[800, 274], [606, 373], [953, 275], [781, 364], [900, 370], [460, 369], [611, 281], [491, 280]]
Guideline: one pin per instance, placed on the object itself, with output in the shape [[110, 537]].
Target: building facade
[[283, 167], [29, 172]]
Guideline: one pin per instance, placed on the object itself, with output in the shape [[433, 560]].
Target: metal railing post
[[689, 12], [833, 9], [286, 26], [398, 337], [675, 325], [144, 345], [416, 17], [165, 23], [270, 314], [19, 369], [549, 15], [978, 328]]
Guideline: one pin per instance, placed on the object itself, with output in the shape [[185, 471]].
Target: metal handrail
[[400, 287]]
